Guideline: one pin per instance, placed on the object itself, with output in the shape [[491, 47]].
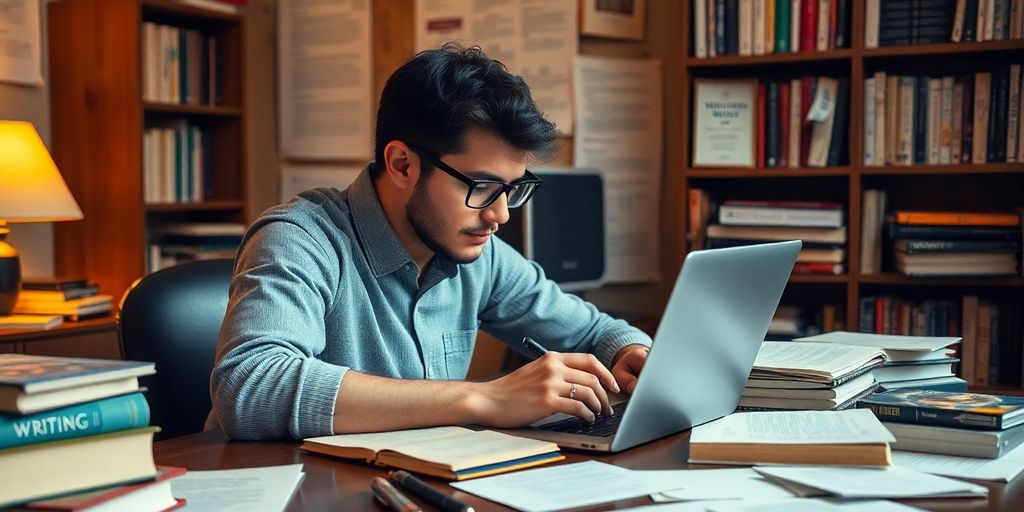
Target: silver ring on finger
[[572, 392]]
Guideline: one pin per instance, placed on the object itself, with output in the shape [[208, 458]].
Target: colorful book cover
[[97, 417], [33, 374], [965, 410]]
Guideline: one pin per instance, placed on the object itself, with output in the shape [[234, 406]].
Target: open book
[[811, 365], [453, 453], [834, 438]]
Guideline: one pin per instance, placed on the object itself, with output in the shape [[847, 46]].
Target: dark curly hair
[[435, 97]]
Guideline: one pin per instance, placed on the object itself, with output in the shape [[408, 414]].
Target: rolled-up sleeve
[[267, 382], [523, 302]]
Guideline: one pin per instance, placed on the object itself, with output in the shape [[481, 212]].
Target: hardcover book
[[151, 495], [96, 417], [985, 444], [964, 410], [452, 453], [30, 383]]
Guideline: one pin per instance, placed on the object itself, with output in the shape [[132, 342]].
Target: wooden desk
[[95, 337], [335, 484]]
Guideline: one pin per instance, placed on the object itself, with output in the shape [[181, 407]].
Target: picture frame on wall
[[724, 122], [613, 19]]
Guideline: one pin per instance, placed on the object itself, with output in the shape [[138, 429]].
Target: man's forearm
[[367, 403]]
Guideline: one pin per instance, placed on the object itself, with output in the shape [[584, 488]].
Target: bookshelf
[[988, 186], [101, 110]]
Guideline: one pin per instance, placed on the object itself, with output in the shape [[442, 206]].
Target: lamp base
[[10, 273]]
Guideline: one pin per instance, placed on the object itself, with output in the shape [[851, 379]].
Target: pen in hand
[[390, 497], [428, 493], [533, 347]]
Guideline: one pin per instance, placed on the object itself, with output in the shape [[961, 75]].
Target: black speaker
[[562, 227]]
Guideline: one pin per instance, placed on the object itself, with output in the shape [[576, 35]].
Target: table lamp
[[31, 190]]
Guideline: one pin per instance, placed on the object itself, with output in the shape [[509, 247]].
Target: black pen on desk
[[392, 498], [428, 493], [533, 347]]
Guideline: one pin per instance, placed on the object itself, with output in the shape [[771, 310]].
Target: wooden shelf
[[775, 58], [819, 279], [897, 170], [222, 204], [890, 278], [944, 48], [188, 11], [192, 110], [775, 172]]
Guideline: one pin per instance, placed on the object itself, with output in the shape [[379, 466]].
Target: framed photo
[[615, 19], [724, 131]]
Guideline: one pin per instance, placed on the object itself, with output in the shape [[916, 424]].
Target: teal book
[[107, 415], [782, 24]]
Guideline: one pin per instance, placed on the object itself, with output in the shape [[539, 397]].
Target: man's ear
[[401, 165]]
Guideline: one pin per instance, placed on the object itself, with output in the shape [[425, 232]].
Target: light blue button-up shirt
[[322, 285]]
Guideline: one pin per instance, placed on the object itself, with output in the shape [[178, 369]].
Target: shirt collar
[[378, 240]]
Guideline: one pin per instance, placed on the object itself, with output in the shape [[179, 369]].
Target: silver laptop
[[713, 326]]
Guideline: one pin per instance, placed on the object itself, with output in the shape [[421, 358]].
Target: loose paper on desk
[[261, 489], [567, 486], [1003, 469], [533, 38], [795, 427], [719, 484], [885, 341], [618, 131], [779, 505], [325, 94], [893, 482]]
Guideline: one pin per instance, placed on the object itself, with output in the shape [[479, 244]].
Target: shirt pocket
[[458, 352]]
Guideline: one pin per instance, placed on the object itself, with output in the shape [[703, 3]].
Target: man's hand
[[556, 382], [627, 364]]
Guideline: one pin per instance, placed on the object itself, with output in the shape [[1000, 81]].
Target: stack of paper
[[894, 482]]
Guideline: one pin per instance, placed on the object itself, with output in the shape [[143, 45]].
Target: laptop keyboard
[[603, 426]]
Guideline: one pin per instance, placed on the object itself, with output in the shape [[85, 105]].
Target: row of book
[[798, 320], [973, 118], [175, 243], [993, 332], [177, 163], [764, 27], [904, 22], [971, 243], [181, 66], [75, 435]]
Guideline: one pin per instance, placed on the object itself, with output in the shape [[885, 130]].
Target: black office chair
[[172, 317]]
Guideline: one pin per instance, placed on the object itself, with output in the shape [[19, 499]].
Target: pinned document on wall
[[325, 93], [618, 130], [20, 39], [296, 178], [533, 38]]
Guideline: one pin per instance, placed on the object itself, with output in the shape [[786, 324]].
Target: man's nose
[[497, 212]]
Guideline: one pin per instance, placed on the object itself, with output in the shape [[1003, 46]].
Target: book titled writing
[[97, 417], [453, 453]]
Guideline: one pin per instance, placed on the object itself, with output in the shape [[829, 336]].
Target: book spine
[[795, 15], [945, 122], [872, 17], [957, 115], [107, 415], [732, 27], [1013, 118], [746, 33], [839, 143], [795, 104], [905, 147], [809, 26], [782, 26], [967, 120], [936, 417], [783, 124], [842, 26], [869, 122], [762, 105], [772, 126], [998, 139], [720, 24], [982, 96], [921, 120], [700, 29]]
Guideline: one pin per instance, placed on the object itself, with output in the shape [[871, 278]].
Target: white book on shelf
[[990, 19], [795, 13], [869, 121], [821, 132], [946, 121], [933, 130], [824, 17], [905, 142], [760, 6], [700, 29], [872, 16], [958, 21], [892, 125], [746, 25], [879, 99], [957, 130]]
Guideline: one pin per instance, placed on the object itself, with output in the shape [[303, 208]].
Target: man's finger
[[588, 363]]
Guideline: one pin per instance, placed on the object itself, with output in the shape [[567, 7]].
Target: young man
[[357, 310]]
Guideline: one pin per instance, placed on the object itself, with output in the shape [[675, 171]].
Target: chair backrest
[[172, 317]]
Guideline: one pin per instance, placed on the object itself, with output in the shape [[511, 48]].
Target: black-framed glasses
[[484, 192]]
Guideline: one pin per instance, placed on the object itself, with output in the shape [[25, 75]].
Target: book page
[[378, 441], [886, 341], [856, 426], [1003, 469], [815, 358], [472, 449], [894, 482]]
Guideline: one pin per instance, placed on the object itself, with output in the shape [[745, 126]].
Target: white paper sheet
[[296, 178], [20, 43], [260, 489], [885, 341], [325, 94], [618, 130], [779, 505], [720, 484], [533, 38], [794, 427], [1003, 469], [894, 482], [566, 486]]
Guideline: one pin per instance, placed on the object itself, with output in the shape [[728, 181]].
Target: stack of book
[[820, 225], [69, 425], [72, 298], [181, 242], [941, 120], [793, 375], [758, 27], [911, 362], [955, 243], [964, 424]]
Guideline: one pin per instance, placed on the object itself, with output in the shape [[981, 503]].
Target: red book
[[879, 315], [832, 6], [809, 26], [783, 124], [817, 267], [762, 93], [806, 95], [154, 495], [797, 205]]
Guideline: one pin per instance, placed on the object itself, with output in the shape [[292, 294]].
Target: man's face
[[437, 210]]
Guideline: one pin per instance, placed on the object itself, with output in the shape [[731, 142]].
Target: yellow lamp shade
[[31, 187]]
